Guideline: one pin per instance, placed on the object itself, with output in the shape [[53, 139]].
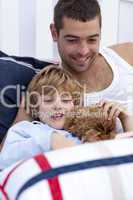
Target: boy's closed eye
[[66, 100], [48, 99]]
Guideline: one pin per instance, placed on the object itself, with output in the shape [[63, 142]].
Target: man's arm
[[125, 50]]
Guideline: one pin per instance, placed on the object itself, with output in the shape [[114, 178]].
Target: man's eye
[[71, 40], [92, 40]]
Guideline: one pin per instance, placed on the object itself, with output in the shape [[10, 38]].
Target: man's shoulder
[[125, 50]]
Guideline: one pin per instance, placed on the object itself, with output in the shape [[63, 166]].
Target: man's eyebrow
[[76, 37], [70, 36], [95, 35]]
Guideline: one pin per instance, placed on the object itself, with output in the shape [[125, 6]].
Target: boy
[[51, 96]]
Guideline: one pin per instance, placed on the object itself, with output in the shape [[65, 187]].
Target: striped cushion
[[96, 171]]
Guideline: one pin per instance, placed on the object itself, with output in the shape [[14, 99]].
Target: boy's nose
[[57, 105]]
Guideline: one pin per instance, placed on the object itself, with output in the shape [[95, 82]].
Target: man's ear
[[53, 32]]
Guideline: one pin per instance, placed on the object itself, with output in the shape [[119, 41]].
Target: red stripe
[[4, 193], [2, 187], [11, 172], [53, 182]]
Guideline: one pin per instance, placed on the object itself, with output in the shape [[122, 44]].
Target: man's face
[[78, 43]]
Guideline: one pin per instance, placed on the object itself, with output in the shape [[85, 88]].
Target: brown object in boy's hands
[[89, 124]]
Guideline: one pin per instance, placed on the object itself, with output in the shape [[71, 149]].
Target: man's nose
[[83, 49]]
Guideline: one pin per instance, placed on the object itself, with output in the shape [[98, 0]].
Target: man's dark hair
[[82, 10]]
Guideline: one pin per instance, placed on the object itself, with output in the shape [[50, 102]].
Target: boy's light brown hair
[[49, 80]]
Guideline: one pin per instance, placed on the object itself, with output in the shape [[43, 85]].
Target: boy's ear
[[54, 32]]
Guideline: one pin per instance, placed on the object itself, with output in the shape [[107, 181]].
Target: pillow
[[15, 74], [102, 170]]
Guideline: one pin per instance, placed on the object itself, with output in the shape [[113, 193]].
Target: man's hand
[[112, 110], [22, 115]]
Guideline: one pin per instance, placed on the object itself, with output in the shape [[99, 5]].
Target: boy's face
[[78, 43], [53, 108]]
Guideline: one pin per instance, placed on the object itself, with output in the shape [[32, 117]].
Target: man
[[105, 73], [77, 31]]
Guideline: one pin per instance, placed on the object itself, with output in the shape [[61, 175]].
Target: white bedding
[[96, 171]]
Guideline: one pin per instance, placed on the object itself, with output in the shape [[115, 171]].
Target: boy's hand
[[59, 141]]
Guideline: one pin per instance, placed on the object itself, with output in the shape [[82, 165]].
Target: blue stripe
[[105, 162]]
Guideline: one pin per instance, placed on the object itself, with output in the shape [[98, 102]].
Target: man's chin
[[80, 68], [76, 67]]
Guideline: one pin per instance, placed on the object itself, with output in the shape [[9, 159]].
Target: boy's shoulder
[[25, 126]]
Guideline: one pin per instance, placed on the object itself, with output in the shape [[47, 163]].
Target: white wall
[[24, 26], [44, 16], [125, 27], [109, 9], [9, 23]]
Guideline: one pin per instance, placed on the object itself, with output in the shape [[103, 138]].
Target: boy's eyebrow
[[76, 37]]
